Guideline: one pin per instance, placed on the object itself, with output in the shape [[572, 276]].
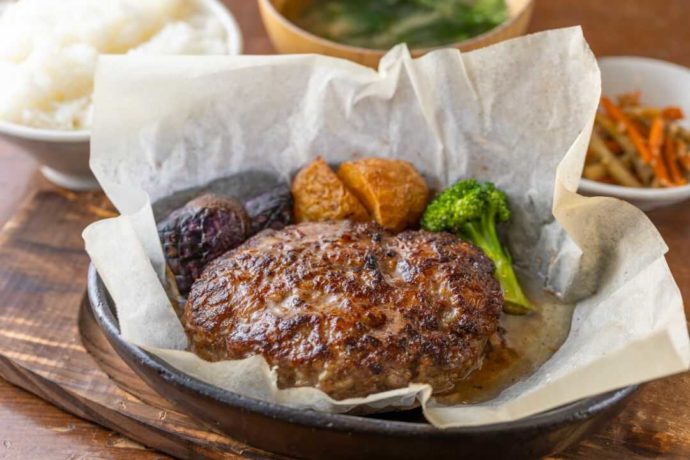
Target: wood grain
[[17, 179], [33, 428], [655, 423], [652, 28], [42, 268]]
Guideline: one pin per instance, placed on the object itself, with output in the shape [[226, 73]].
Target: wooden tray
[[42, 283]]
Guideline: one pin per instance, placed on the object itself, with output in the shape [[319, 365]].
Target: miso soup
[[381, 24]]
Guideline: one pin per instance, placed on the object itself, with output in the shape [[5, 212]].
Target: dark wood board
[[42, 270]]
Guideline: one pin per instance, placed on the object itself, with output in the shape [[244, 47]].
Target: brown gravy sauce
[[526, 343]]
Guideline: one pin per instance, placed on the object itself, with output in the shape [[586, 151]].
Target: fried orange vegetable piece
[[319, 195], [393, 192]]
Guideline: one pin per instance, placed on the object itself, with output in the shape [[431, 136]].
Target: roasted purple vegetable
[[204, 229], [272, 209]]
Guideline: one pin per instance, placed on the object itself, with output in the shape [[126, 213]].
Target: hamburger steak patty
[[348, 308]]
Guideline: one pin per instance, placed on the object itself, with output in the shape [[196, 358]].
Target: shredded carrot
[[656, 135], [643, 142], [617, 114], [672, 162], [683, 156], [673, 113], [656, 141], [641, 127]]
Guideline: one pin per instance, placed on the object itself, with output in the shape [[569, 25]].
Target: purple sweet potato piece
[[272, 209], [204, 229]]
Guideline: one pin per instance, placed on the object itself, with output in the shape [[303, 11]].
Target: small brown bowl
[[288, 38]]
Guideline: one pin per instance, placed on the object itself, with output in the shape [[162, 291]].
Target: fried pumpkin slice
[[393, 192], [319, 195]]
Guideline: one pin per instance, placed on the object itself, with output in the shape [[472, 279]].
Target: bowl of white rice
[[48, 56]]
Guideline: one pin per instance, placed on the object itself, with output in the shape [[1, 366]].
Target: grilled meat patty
[[348, 308]]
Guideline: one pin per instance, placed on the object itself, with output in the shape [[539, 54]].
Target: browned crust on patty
[[349, 308]]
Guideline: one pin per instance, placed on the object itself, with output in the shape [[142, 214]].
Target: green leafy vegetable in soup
[[381, 24]]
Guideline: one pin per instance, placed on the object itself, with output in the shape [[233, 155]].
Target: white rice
[[49, 48]]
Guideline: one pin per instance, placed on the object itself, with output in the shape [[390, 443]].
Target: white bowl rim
[[624, 58], [235, 46], [634, 193], [637, 193], [235, 40]]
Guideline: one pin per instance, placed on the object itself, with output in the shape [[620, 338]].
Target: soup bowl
[[288, 38]]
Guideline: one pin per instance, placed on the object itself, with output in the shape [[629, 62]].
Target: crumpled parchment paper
[[518, 114]]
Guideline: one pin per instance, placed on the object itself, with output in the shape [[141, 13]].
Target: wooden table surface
[[31, 428]]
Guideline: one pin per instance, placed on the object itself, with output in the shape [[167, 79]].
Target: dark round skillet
[[311, 434]]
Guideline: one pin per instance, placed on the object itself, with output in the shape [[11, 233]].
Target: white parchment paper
[[518, 114]]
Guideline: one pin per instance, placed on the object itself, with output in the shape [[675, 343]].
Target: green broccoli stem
[[483, 234], [516, 302]]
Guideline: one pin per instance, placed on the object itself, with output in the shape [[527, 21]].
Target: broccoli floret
[[471, 210]]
